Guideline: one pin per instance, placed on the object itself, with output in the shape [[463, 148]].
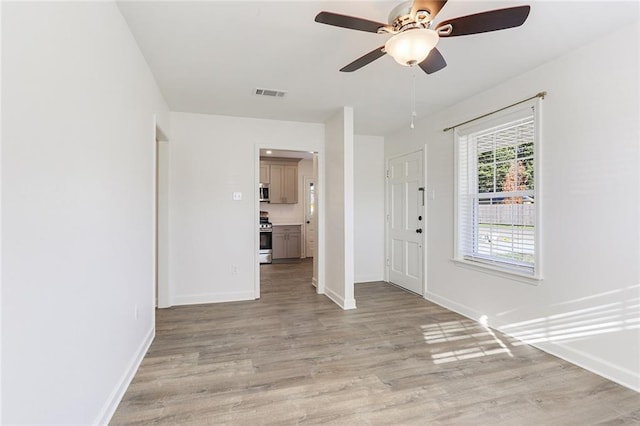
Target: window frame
[[503, 117]]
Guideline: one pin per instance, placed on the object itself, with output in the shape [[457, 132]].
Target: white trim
[[497, 271], [160, 281], [425, 227], [345, 304], [256, 242], [539, 179], [609, 371], [154, 221], [1, 174], [110, 406], [367, 278], [203, 298], [319, 258], [453, 306], [305, 219]]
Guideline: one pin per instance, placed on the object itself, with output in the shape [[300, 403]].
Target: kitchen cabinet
[[287, 242], [284, 184], [283, 180], [265, 175]]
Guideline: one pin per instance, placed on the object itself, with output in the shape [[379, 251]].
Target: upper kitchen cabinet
[[265, 176], [283, 180]]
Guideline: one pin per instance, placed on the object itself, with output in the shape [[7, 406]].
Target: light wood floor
[[294, 357]]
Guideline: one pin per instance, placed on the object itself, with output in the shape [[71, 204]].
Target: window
[[497, 192]]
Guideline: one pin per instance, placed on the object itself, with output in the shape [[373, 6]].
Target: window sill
[[499, 272]]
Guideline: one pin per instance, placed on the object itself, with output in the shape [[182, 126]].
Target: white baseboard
[[314, 282], [453, 306], [109, 408], [368, 278], [609, 371], [198, 299], [345, 304], [584, 360]]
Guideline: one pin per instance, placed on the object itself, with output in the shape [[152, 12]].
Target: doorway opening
[[288, 210]]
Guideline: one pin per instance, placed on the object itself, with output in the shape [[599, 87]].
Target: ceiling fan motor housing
[[400, 18]]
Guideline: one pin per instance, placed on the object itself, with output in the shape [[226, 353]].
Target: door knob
[[308, 222], [419, 230]]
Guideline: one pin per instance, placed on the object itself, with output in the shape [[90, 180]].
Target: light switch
[[237, 196]]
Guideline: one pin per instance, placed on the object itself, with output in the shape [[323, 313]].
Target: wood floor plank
[[293, 357]]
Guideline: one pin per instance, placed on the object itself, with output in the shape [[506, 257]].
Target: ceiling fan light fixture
[[411, 47]]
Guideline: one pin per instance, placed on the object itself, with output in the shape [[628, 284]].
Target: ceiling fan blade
[[364, 60], [432, 6], [350, 22], [434, 62], [492, 20]]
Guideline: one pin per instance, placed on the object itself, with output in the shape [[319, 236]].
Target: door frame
[[318, 280], [387, 209], [305, 180], [161, 288]]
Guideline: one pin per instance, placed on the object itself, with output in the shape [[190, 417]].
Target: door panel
[[405, 247], [413, 260], [397, 256], [397, 205]]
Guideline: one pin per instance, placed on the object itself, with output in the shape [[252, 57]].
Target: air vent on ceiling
[[270, 92]]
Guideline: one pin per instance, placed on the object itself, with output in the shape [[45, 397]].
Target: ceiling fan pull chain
[[413, 96]]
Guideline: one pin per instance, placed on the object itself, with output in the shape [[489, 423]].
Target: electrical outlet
[[135, 311], [234, 269]]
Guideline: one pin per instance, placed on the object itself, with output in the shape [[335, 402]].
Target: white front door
[[310, 215], [405, 221]]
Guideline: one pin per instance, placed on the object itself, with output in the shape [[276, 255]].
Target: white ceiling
[[209, 56]]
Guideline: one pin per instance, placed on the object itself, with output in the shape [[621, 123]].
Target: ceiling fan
[[414, 40]]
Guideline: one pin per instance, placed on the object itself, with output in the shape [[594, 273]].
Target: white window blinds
[[496, 194]]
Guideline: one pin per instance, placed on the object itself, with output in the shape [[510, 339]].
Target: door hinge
[[388, 174], [388, 262], [388, 217]]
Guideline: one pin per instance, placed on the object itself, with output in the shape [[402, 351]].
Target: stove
[[265, 227], [266, 241]]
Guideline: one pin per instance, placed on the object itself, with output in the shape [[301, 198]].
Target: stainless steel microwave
[[264, 192]]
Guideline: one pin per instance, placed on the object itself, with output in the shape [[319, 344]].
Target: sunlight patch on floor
[[476, 340]]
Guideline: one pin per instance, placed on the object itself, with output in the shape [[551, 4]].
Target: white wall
[[78, 107], [368, 227], [586, 308], [213, 238], [338, 206]]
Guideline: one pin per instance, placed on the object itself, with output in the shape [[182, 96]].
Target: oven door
[[266, 248]]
